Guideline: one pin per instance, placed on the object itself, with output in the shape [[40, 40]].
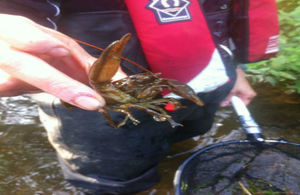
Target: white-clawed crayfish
[[140, 91]]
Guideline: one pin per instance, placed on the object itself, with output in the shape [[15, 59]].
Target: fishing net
[[241, 167]]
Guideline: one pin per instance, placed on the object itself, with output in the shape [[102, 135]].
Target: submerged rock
[[236, 168]]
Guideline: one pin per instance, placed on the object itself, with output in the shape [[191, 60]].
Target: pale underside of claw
[[106, 66]]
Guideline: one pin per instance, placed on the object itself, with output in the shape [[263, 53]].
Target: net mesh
[[243, 168]]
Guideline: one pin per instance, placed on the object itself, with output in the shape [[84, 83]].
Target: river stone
[[223, 170], [278, 169]]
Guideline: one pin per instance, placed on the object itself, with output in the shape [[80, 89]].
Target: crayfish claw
[[106, 66]]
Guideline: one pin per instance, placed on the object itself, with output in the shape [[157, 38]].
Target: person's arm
[[242, 89], [35, 59]]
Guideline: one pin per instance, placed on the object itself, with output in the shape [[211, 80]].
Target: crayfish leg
[[183, 90], [106, 115], [174, 124], [157, 113], [164, 116], [106, 66], [127, 113]]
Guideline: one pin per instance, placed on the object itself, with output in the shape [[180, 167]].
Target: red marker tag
[[170, 107]]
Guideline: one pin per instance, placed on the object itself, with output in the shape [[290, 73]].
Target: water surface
[[28, 164]]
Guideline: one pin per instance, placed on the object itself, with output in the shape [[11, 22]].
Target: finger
[[67, 65], [247, 98], [38, 73], [12, 87], [79, 55], [227, 101], [119, 75], [23, 34]]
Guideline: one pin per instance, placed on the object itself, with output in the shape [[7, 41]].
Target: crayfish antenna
[[106, 66]]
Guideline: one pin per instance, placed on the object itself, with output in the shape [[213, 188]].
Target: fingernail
[[88, 103], [59, 52]]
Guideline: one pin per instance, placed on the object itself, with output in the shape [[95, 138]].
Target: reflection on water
[[18, 110], [28, 163]]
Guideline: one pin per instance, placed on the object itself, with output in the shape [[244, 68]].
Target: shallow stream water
[[28, 164]]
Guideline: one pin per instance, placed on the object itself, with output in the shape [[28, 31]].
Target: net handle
[[249, 125]]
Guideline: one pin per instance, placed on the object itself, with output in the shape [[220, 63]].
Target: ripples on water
[[28, 163], [20, 110]]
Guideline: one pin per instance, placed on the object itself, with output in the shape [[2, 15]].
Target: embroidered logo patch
[[168, 11]]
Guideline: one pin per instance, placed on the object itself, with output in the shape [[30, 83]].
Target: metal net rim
[[180, 170]]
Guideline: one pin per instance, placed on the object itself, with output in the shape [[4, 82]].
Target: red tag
[[170, 107]]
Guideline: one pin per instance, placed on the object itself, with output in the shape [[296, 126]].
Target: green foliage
[[284, 69], [183, 186]]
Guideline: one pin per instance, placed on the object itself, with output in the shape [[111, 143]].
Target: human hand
[[35, 58], [242, 89]]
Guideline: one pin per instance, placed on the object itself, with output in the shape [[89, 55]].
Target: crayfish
[[140, 91]]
